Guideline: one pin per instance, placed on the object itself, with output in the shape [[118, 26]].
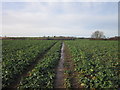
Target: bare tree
[[98, 35]]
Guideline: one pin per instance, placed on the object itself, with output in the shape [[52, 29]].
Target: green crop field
[[96, 63], [18, 55], [34, 63]]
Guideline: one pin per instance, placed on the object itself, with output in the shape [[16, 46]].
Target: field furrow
[[42, 76]]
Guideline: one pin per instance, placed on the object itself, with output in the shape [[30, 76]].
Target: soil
[[73, 75], [64, 64], [59, 80]]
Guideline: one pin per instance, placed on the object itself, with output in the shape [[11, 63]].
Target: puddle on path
[[59, 80]]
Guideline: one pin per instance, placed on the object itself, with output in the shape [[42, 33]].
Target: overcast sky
[[59, 18]]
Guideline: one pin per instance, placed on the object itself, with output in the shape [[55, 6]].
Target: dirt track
[[59, 80]]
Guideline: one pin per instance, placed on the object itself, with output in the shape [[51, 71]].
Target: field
[[78, 63]]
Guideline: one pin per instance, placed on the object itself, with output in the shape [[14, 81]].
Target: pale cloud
[[39, 19], [60, 0]]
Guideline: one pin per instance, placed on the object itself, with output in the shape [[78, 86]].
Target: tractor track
[[59, 80]]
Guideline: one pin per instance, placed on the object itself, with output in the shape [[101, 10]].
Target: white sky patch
[[60, 0], [43, 19]]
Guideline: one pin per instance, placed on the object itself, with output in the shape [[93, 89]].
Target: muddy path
[[28, 69], [59, 80], [66, 64], [69, 66]]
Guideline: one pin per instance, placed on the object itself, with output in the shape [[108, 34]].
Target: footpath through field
[[70, 75], [63, 79], [59, 81]]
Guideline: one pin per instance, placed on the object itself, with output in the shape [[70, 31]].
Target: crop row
[[96, 63], [16, 62], [15, 45], [42, 76]]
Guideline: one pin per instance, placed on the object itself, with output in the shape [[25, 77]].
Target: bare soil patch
[[59, 80], [72, 75]]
